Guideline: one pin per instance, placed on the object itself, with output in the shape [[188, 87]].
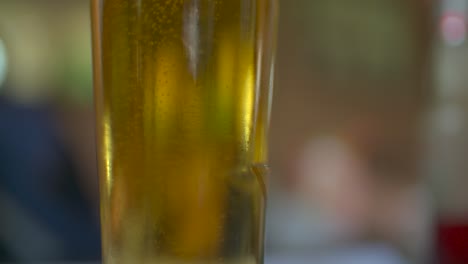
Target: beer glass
[[182, 96]]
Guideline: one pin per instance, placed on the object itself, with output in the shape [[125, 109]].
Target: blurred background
[[369, 141]]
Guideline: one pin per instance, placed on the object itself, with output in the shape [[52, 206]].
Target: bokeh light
[[453, 26]]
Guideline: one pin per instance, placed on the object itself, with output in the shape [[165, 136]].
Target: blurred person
[[48, 181], [353, 93]]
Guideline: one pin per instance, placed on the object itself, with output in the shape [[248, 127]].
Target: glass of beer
[[182, 96]]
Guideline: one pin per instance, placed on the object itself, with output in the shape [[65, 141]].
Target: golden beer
[[182, 103]]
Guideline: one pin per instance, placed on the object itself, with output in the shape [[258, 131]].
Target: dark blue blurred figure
[[43, 214]]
